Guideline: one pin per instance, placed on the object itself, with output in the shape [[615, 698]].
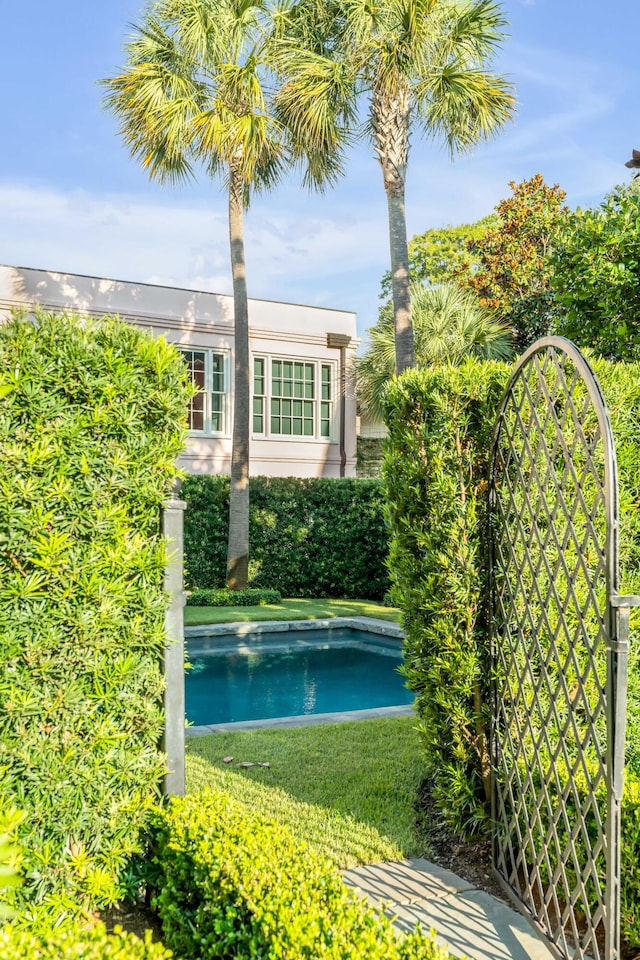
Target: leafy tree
[[596, 276], [449, 324], [199, 91], [421, 64], [442, 253], [514, 270]]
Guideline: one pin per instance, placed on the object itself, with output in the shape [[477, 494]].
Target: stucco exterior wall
[[199, 320]]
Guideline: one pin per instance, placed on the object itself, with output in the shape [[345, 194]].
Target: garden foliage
[[91, 423], [232, 884], [78, 943], [596, 277], [309, 537], [440, 424], [232, 598]]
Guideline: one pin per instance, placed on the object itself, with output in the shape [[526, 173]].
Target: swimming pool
[[285, 674]]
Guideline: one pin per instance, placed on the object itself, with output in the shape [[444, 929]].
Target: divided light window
[[292, 398], [208, 409]]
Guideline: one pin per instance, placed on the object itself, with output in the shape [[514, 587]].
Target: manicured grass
[[290, 610], [348, 788]]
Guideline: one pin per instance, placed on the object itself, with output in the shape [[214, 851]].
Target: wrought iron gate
[[559, 649]]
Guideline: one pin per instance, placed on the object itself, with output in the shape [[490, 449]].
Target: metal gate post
[[174, 704], [618, 666]]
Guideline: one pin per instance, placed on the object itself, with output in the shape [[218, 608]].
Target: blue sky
[[72, 200]]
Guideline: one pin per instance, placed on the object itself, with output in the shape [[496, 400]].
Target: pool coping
[[386, 629]]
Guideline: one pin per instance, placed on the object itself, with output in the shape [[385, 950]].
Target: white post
[[174, 704]]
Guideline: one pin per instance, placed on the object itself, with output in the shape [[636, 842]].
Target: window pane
[[258, 376], [196, 412]]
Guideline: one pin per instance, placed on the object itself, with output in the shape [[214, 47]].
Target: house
[[304, 409]]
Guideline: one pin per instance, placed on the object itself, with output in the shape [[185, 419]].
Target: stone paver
[[467, 921]]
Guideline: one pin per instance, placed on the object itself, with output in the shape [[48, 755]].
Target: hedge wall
[[91, 423], [440, 424], [308, 537]]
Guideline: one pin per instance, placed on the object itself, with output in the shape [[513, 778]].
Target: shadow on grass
[[348, 789]]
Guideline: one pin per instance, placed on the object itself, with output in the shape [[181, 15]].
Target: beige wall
[[195, 319]]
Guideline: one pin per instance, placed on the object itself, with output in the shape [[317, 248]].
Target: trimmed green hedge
[[91, 423], [232, 884], [232, 598], [308, 537], [79, 943], [440, 423]]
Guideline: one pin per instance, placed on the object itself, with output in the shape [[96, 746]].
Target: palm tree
[[420, 63], [199, 91], [449, 324]]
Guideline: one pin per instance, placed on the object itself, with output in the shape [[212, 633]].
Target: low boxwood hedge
[[78, 943], [232, 598], [232, 884]]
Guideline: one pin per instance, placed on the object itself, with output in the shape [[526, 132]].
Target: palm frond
[[449, 325]]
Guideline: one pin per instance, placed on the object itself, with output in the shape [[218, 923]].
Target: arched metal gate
[[559, 649]]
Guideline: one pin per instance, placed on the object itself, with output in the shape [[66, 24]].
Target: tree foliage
[[419, 66], [442, 253], [596, 277], [200, 91], [449, 325], [513, 276]]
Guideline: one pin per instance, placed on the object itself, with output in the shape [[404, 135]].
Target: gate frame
[[616, 619]]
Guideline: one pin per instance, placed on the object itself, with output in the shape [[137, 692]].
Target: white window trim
[[208, 390], [318, 363]]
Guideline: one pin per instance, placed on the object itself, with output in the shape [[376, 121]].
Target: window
[[208, 408], [293, 398]]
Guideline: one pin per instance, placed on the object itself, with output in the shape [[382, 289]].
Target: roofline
[[165, 286]]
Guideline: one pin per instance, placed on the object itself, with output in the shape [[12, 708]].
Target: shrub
[[91, 423], [440, 423], [80, 943], [232, 598], [10, 857], [233, 884], [308, 537]]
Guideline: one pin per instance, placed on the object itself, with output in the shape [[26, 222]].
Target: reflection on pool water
[[330, 671]]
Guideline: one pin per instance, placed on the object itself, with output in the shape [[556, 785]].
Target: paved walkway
[[468, 922]]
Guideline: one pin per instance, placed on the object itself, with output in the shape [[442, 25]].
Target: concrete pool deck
[[211, 637]]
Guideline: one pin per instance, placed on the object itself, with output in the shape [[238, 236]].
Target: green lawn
[[290, 610], [347, 788]]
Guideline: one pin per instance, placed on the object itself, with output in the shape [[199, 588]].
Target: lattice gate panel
[[559, 695]]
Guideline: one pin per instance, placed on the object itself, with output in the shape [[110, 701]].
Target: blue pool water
[[335, 671]]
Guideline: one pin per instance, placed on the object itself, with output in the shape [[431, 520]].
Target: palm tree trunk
[[238, 546], [390, 117]]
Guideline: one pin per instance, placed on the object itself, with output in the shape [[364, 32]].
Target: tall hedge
[[91, 424], [308, 537], [440, 425]]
